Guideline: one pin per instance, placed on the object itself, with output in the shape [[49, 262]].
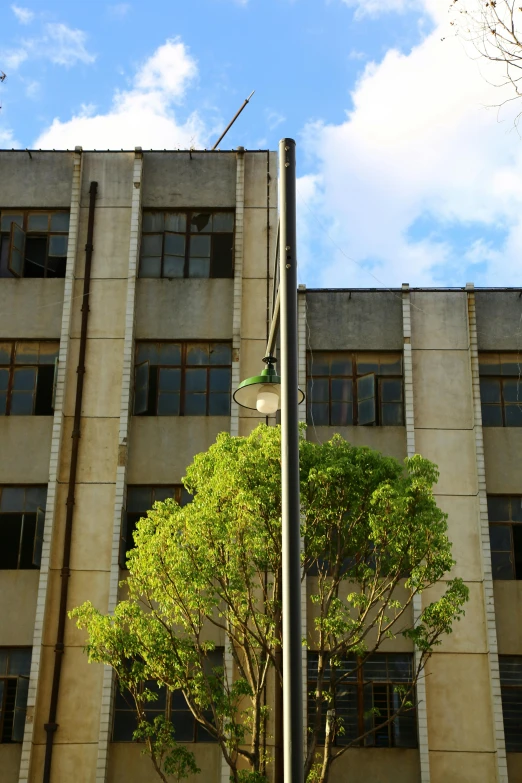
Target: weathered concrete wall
[[508, 614], [385, 765], [180, 179], [10, 762], [161, 447], [18, 590], [503, 456], [127, 763], [31, 309], [498, 320], [354, 320], [40, 182], [184, 309], [26, 443]]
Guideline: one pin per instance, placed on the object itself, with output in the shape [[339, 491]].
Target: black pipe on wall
[[51, 726]]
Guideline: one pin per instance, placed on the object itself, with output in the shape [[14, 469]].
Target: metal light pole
[[292, 646], [266, 393]]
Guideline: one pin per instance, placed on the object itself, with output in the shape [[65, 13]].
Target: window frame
[[511, 524], [39, 527], [513, 744], [167, 712], [187, 234], [39, 234], [360, 685], [500, 378], [355, 378], [183, 366], [14, 365], [4, 678]]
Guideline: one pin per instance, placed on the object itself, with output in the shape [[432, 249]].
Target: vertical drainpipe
[[422, 713], [51, 726], [108, 685], [56, 443], [489, 602], [301, 342]]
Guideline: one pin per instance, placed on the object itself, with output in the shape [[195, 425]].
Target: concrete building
[[178, 292]]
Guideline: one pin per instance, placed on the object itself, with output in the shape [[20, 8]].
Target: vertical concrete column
[[238, 285], [107, 697], [301, 337], [461, 730], [228, 661], [487, 582], [422, 717], [56, 445]]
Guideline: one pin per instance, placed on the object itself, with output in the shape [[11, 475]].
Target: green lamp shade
[[262, 392]]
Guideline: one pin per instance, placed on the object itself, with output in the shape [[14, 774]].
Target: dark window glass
[[27, 378], [187, 244], [347, 388], [505, 536], [15, 666], [140, 500], [510, 667], [41, 244], [501, 396], [183, 379], [20, 535], [170, 704], [365, 700]]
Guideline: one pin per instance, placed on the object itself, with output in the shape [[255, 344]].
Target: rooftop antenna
[[232, 121]]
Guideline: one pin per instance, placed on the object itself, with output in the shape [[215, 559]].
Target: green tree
[[374, 537]]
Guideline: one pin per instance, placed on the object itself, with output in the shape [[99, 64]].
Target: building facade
[[129, 310]]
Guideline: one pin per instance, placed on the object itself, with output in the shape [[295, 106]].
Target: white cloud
[[24, 15], [119, 10], [419, 144], [60, 44], [63, 45], [7, 139], [377, 7], [140, 116]]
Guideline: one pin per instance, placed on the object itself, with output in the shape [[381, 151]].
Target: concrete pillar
[[107, 696], [461, 737], [42, 609]]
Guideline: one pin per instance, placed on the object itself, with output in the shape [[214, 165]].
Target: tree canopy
[[208, 575]]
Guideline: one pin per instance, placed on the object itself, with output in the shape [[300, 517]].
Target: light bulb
[[267, 401]]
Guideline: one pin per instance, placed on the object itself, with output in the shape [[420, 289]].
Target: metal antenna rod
[[232, 121]]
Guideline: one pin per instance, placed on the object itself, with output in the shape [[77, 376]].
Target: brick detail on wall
[[422, 716], [491, 631], [121, 470], [238, 286], [56, 442]]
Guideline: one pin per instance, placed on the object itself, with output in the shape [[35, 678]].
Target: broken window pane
[[201, 221]]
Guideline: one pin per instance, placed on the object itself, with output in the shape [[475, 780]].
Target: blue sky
[[404, 173]]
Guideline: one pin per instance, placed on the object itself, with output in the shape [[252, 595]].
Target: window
[[511, 689], [33, 244], [354, 388], [139, 501], [505, 536], [500, 389], [183, 379], [22, 519], [15, 666], [27, 378], [171, 704], [187, 244], [357, 692]]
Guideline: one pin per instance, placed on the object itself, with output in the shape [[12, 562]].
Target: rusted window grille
[[347, 388], [28, 378], [183, 379], [505, 536], [139, 500], [170, 704], [510, 667], [197, 243], [364, 698], [15, 666], [33, 244], [501, 389]]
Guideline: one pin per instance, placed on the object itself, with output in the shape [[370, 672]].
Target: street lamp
[[266, 393]]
